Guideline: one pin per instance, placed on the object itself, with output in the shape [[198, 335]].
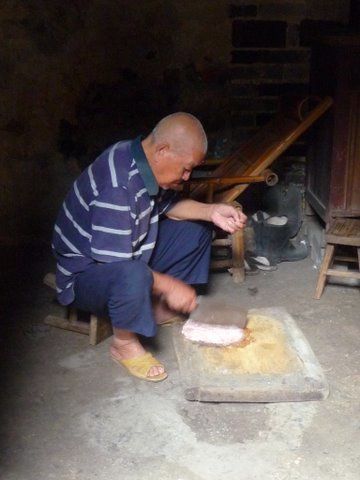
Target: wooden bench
[[96, 327], [342, 231]]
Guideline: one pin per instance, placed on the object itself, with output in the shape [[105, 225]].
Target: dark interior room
[[180, 239]]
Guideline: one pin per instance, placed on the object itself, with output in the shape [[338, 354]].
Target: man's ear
[[162, 149]]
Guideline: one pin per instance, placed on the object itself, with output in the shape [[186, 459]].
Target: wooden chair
[[249, 164], [96, 327], [342, 231]]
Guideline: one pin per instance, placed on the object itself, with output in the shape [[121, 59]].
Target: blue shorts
[[122, 290]]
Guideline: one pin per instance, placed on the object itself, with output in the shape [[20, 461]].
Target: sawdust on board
[[264, 350]]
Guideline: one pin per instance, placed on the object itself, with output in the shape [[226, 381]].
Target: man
[[127, 247]]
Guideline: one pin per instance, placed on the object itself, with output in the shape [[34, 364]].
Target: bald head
[[177, 144], [182, 131]]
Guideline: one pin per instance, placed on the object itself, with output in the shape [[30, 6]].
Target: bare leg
[[126, 345]]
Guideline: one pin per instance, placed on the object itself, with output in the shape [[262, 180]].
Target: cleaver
[[219, 312]]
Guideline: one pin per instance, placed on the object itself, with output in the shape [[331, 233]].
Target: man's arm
[[222, 215], [188, 209]]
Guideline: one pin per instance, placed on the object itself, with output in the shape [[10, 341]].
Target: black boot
[[274, 241], [284, 200], [262, 255], [272, 237], [288, 252]]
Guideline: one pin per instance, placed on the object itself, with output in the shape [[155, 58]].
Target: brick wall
[[271, 43]]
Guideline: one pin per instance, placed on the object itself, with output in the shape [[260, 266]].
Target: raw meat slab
[[204, 381], [216, 335]]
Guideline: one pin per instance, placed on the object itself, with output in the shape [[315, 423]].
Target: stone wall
[[77, 75]]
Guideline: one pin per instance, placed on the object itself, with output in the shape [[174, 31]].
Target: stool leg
[[238, 269], [72, 315], [358, 252], [100, 329], [328, 257]]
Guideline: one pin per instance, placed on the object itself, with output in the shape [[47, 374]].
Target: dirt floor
[[71, 413]]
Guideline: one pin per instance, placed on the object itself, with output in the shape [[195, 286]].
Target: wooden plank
[[345, 259], [228, 180], [344, 231], [269, 177], [65, 324], [222, 242], [346, 227], [343, 273], [337, 240], [219, 264]]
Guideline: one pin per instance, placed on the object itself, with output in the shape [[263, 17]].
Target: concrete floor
[[70, 413]]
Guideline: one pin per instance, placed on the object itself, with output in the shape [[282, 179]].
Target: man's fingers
[[238, 217], [228, 218], [241, 218], [228, 229]]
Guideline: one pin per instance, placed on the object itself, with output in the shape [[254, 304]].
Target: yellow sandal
[[139, 367]]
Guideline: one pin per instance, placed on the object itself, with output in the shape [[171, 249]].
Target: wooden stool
[[343, 231], [97, 328], [235, 241], [235, 264]]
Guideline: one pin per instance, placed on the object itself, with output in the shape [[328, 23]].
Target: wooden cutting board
[[274, 364]]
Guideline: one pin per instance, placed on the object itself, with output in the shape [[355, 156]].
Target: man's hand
[[228, 218], [178, 295]]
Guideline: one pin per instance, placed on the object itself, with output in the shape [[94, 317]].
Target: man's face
[[174, 168]]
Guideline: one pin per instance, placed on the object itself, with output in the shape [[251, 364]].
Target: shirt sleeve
[[111, 226], [167, 199]]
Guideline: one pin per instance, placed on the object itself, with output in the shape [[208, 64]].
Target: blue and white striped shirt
[[110, 214]]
